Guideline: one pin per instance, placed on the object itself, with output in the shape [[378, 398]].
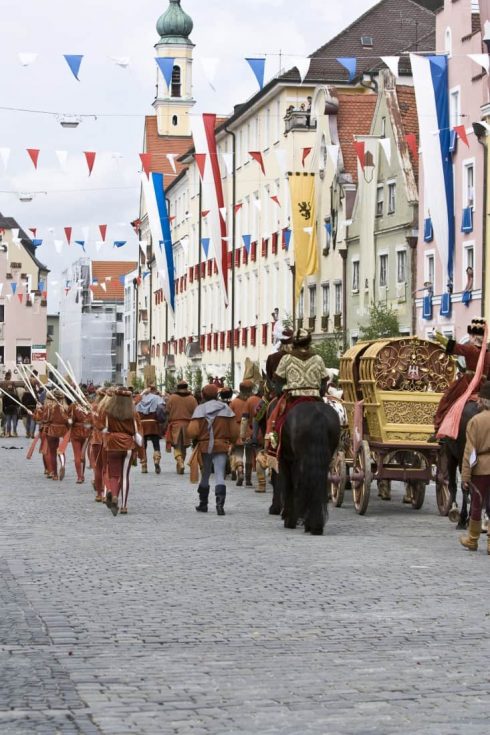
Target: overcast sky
[[100, 29]]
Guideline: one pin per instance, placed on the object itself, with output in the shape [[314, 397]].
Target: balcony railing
[[298, 120]]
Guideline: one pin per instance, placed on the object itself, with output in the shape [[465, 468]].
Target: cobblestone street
[[171, 622]]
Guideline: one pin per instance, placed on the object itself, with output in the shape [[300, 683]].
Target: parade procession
[[245, 422]]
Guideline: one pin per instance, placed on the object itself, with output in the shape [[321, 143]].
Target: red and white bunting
[[90, 158], [34, 155], [257, 156]]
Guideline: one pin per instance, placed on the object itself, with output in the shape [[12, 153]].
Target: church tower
[[174, 102]]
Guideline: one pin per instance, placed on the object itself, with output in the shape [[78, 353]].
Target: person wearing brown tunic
[[96, 451], [471, 352], [79, 420], [180, 407], [121, 436], [242, 452], [246, 433], [214, 429], [151, 409], [55, 417]]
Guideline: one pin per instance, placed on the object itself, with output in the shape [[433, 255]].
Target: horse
[[451, 458], [309, 438]]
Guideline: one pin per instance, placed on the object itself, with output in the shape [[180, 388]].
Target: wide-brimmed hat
[[302, 337], [210, 391], [182, 385]]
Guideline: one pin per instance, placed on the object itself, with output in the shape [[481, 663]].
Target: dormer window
[[367, 41], [176, 82]]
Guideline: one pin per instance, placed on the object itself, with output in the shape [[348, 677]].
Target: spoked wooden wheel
[[443, 497], [361, 487], [416, 489], [339, 472]]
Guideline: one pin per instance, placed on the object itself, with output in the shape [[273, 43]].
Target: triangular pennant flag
[[228, 161], [74, 61], [146, 163], [257, 204], [200, 159], [360, 152], [20, 296], [120, 243], [393, 64], [257, 156], [90, 158], [172, 219], [349, 63], [122, 280], [81, 243], [385, 144], [122, 61], [166, 66], [247, 242], [103, 231], [37, 243], [62, 157], [306, 153], [58, 244], [27, 59], [13, 286], [287, 238], [171, 159], [333, 151], [238, 207], [33, 155], [302, 64], [481, 60], [5, 155], [205, 213], [98, 245], [411, 141], [31, 229], [258, 68], [103, 287], [1, 288], [8, 296], [205, 245], [222, 211], [282, 160], [85, 231], [68, 231], [460, 130], [276, 199], [210, 67]]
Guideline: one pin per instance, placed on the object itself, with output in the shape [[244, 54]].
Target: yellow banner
[[302, 188]]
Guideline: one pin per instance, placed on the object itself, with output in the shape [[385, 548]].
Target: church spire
[[175, 25]]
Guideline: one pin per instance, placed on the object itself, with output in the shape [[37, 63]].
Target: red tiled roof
[[355, 118], [113, 269], [408, 111], [159, 145]]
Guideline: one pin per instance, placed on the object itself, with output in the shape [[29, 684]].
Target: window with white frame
[[301, 304], [312, 293], [469, 185], [338, 298], [391, 197], [355, 276], [430, 270], [454, 107], [326, 299], [380, 200], [468, 265], [401, 266], [383, 269]]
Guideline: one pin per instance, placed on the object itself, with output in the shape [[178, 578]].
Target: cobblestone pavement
[[172, 622]]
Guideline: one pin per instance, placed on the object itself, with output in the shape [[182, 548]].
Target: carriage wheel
[[339, 468], [416, 488], [362, 488], [443, 497]]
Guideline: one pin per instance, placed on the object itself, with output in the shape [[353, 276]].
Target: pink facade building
[[447, 302]]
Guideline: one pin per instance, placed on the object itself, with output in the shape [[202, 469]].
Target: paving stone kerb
[[170, 621]]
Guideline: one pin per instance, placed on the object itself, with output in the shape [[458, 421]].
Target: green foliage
[[138, 383], [170, 381], [198, 379], [189, 376], [329, 350], [227, 378], [383, 322]]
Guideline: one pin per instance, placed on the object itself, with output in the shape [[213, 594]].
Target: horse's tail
[[314, 481]]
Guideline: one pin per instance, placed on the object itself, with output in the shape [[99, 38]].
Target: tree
[[329, 350], [383, 322]]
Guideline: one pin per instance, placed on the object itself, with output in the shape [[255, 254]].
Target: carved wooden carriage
[[392, 389], [401, 382]]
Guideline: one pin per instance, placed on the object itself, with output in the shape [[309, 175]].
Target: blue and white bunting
[[74, 61], [258, 67], [166, 66]]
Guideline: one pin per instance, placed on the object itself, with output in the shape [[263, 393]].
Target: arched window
[[448, 42], [175, 121], [176, 82]]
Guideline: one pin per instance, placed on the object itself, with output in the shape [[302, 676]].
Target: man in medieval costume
[[151, 409], [243, 452], [180, 407]]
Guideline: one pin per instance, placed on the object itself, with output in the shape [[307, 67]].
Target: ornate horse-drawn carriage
[[391, 390]]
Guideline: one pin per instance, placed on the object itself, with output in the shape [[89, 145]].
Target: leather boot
[[470, 541], [262, 483], [248, 476], [203, 499], [144, 467], [179, 465], [220, 491], [239, 475], [157, 458]]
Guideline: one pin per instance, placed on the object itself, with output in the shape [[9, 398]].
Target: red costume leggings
[[52, 457], [480, 493], [97, 462], [79, 457], [118, 469]]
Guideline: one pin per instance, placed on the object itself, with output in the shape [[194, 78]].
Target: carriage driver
[[471, 352]]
